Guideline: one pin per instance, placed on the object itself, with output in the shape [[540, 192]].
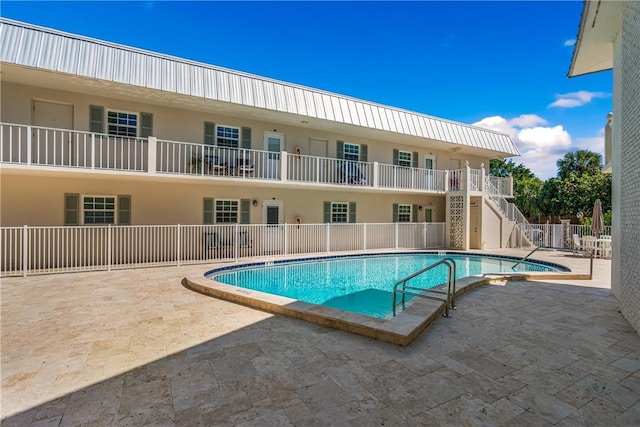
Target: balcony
[[34, 146]]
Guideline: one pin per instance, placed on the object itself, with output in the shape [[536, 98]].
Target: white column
[[152, 153], [283, 165], [376, 174]]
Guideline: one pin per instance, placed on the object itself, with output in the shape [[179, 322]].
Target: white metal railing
[[196, 159], [524, 234], [42, 250], [393, 176], [559, 235], [504, 185], [323, 170], [40, 146], [457, 179]]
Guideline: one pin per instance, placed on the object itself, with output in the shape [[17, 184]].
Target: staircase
[[522, 233]]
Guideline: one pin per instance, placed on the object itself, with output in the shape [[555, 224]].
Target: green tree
[[526, 186], [579, 163]]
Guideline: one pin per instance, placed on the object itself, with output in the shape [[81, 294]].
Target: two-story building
[[98, 133]]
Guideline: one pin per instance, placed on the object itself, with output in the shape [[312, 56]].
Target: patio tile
[[135, 347], [541, 404]]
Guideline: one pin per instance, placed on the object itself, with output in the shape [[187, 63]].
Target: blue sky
[[501, 65]]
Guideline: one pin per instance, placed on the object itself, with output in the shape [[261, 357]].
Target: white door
[[273, 230], [273, 143], [430, 177], [50, 146]]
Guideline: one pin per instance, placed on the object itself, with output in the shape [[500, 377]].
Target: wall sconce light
[[255, 203], [419, 207]]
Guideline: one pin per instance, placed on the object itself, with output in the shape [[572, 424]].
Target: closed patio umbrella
[[597, 221]]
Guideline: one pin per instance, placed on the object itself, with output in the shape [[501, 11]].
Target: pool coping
[[401, 329]]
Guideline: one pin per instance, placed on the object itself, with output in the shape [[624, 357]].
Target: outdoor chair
[[349, 173], [577, 244], [216, 166], [590, 243], [244, 166]]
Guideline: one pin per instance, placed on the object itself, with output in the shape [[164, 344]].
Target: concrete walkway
[[134, 347]]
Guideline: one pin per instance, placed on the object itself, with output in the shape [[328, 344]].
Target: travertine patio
[[134, 347]]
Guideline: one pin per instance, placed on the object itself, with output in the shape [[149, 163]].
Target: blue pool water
[[361, 284]]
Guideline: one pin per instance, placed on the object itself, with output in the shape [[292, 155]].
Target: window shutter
[[96, 119], [124, 210], [71, 209], [414, 213], [414, 159], [340, 150], [327, 212], [146, 125], [207, 211], [209, 133], [244, 211], [352, 212], [395, 213], [245, 136], [363, 152], [396, 155]]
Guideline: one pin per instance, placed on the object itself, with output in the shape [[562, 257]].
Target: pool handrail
[[524, 258], [449, 300]]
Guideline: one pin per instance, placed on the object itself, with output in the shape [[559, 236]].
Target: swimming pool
[[363, 284]]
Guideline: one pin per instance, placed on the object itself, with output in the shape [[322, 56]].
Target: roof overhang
[[29, 53], [600, 23]]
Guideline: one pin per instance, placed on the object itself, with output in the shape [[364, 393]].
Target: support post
[[25, 250]]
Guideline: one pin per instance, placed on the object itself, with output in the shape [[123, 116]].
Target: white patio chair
[[577, 244], [590, 243]]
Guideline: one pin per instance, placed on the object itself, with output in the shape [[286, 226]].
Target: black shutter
[[209, 133], [207, 211], [394, 218], [124, 210], [414, 159], [363, 152], [245, 136], [71, 209], [396, 156], [327, 212], [352, 212], [340, 150], [146, 125], [245, 211], [96, 119]]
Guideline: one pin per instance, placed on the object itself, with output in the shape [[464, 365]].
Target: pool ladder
[[447, 296]]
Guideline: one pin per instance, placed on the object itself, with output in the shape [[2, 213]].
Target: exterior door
[[50, 146], [273, 232], [273, 143], [474, 224], [429, 173]]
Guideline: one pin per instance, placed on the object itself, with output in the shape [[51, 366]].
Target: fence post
[[446, 181], [235, 241], [328, 239], [424, 235], [25, 250], [364, 236], [376, 174], [286, 239], [109, 248], [178, 243], [396, 235]]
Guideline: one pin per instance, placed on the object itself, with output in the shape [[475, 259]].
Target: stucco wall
[[39, 200], [188, 125], [491, 227], [629, 165]]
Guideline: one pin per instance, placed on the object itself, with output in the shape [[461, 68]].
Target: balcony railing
[[39, 146]]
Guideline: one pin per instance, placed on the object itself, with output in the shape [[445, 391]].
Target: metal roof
[[43, 48]]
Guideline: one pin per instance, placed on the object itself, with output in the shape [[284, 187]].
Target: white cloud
[[576, 99], [570, 42], [540, 145]]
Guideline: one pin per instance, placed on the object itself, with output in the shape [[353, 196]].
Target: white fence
[[42, 250], [557, 236]]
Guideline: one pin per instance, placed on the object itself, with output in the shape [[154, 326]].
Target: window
[[404, 213], [339, 212], [404, 159], [226, 211], [122, 124], [99, 209], [227, 136], [351, 152]]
